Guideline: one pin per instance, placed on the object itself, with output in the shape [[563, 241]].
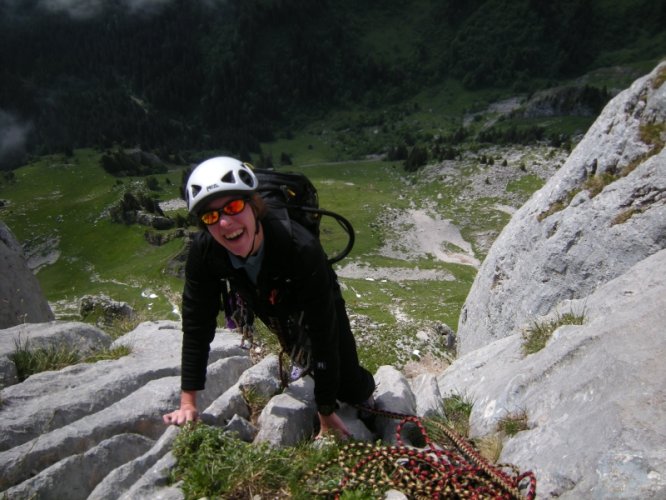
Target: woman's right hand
[[181, 416], [187, 411]]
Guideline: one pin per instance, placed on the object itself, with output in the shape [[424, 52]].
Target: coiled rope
[[451, 468]]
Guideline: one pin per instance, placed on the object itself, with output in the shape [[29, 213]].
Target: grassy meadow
[[61, 204]]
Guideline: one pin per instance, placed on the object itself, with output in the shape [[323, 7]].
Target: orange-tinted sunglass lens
[[211, 217], [232, 207]]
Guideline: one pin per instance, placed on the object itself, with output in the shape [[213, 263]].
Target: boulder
[[72, 337], [95, 430], [104, 309], [21, 296]]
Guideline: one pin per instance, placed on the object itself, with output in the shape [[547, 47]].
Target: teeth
[[234, 235]]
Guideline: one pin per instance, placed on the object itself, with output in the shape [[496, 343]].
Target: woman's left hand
[[332, 423]]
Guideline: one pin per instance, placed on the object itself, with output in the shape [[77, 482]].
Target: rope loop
[[448, 469]]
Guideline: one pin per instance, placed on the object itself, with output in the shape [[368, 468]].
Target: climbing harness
[[243, 320], [295, 358], [449, 468]]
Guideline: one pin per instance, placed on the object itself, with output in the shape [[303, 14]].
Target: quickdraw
[[436, 471]]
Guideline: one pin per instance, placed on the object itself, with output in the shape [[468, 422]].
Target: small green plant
[[457, 408], [215, 464], [537, 335], [28, 362], [659, 79], [596, 183], [558, 205], [122, 325], [31, 361], [107, 354], [513, 423], [255, 402]]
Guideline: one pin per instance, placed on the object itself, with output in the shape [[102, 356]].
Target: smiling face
[[241, 234]]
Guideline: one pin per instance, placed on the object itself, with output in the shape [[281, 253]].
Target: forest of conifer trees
[[194, 75]]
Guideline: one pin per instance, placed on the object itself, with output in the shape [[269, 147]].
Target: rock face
[[594, 397], [21, 297], [591, 243], [95, 430], [568, 239]]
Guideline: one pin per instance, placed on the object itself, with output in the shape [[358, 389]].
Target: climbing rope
[[451, 469]]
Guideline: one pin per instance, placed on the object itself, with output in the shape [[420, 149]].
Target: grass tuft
[[559, 205], [537, 335], [215, 464], [513, 423], [457, 409], [659, 78], [108, 354], [31, 361], [28, 362], [595, 184], [255, 402], [624, 216]]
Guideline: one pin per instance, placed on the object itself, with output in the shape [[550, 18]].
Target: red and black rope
[[452, 469]]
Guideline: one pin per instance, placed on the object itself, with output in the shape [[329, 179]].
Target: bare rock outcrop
[[591, 244], [95, 430], [601, 213], [592, 399], [21, 297]]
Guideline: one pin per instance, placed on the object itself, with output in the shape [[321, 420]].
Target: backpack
[[294, 192]]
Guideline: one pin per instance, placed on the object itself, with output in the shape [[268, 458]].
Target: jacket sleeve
[[201, 305]]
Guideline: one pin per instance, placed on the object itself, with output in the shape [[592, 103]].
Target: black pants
[[356, 383]]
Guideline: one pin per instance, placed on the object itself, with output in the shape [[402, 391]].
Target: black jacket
[[295, 280]]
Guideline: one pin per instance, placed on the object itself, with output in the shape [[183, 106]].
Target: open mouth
[[235, 235]]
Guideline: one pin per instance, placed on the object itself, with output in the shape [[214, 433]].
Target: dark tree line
[[196, 75]]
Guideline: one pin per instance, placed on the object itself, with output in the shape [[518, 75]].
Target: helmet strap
[[257, 227]]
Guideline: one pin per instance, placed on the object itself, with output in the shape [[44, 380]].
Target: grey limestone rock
[[21, 296], [566, 240], [593, 397]]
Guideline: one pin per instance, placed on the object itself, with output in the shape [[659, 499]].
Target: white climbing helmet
[[218, 176]]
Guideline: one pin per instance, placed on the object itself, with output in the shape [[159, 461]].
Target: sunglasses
[[232, 207]]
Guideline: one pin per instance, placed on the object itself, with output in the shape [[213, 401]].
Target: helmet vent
[[195, 190], [246, 178], [228, 178]]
